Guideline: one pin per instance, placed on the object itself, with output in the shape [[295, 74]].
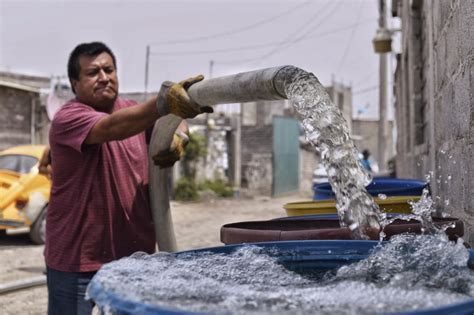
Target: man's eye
[[91, 73], [109, 70]]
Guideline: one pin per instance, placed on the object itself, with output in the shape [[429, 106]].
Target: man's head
[[366, 154], [92, 73]]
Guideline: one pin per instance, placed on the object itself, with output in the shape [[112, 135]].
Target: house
[[23, 117]]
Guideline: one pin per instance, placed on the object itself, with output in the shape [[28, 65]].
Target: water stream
[[327, 131]]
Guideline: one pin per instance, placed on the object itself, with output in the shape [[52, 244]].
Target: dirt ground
[[196, 225]]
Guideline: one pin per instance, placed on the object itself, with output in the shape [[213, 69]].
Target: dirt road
[[196, 225]]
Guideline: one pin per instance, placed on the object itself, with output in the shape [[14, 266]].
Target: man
[[99, 208], [365, 160]]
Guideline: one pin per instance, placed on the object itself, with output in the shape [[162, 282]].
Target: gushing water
[[327, 130], [410, 272]]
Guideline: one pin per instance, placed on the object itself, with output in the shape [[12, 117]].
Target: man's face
[[98, 84]]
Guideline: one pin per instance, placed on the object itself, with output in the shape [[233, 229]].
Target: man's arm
[[172, 98], [44, 166], [124, 123]]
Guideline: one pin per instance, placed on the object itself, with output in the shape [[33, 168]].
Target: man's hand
[[173, 98], [176, 150], [44, 167]]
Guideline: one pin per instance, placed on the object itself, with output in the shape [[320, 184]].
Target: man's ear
[[73, 85]]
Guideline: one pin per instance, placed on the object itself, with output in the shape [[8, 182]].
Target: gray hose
[[161, 139], [265, 84]]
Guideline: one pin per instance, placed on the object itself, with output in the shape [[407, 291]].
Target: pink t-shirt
[[99, 209]]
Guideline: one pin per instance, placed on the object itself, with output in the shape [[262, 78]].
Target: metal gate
[[285, 155]]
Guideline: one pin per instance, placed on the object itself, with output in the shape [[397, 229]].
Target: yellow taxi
[[24, 192]]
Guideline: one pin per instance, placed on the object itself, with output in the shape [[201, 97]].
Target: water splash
[[409, 273], [422, 211], [414, 261], [327, 131]]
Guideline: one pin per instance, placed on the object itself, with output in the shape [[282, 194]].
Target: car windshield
[[17, 163]]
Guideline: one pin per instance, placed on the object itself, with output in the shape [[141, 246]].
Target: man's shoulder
[[125, 102], [71, 106]]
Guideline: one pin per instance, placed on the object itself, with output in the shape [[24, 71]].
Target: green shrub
[[195, 149], [186, 189], [218, 186]]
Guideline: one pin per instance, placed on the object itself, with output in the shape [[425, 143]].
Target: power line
[[319, 35], [233, 31], [253, 47], [346, 50], [291, 39]]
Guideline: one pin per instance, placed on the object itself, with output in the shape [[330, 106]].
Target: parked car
[[24, 193]]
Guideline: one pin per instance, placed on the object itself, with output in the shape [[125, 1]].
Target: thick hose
[[266, 84], [161, 139]]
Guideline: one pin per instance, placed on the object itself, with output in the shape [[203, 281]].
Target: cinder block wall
[[435, 87]]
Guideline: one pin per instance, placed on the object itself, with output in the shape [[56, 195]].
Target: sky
[[331, 38]]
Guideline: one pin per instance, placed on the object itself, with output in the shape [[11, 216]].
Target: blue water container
[[383, 185], [300, 256]]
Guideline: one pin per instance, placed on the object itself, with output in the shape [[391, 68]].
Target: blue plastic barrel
[[300, 256], [383, 185]]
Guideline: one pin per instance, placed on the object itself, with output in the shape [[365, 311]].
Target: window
[[17, 163]]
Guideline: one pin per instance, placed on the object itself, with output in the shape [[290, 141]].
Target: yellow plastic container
[[396, 204]]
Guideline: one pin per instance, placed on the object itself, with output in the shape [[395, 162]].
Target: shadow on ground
[[15, 240]]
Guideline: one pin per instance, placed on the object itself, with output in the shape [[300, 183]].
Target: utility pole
[[382, 93], [211, 68], [147, 64]]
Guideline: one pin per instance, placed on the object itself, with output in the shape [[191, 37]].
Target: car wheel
[[38, 228]]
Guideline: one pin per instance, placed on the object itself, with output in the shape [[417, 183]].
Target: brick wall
[[436, 72]]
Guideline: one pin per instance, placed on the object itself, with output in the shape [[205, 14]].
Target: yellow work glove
[[173, 98], [175, 152]]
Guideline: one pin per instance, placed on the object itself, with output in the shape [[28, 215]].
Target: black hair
[[85, 49]]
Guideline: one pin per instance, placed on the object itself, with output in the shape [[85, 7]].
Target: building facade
[[434, 87], [23, 118]]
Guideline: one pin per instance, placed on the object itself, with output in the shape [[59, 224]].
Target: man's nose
[[103, 76]]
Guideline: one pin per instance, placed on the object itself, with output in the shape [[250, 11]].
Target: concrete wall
[[256, 153], [434, 102]]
